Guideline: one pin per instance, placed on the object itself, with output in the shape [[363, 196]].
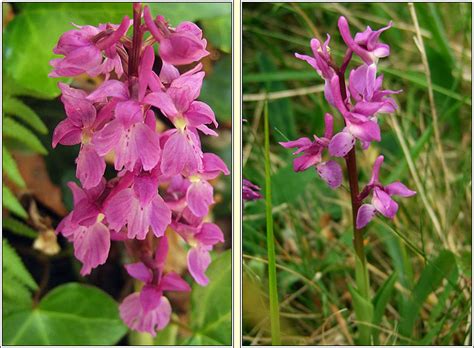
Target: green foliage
[[211, 315], [217, 89], [22, 135], [71, 314], [15, 107], [17, 282], [364, 312], [10, 168], [10, 202], [18, 228], [430, 279]]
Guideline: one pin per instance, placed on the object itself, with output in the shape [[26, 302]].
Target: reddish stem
[[351, 164], [136, 41]]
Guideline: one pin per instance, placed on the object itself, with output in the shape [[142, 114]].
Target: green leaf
[[380, 301], [11, 169], [14, 265], [211, 316], [288, 185], [10, 202], [430, 279], [71, 314], [364, 314], [19, 228], [14, 106], [217, 89], [219, 32], [14, 130], [16, 296]]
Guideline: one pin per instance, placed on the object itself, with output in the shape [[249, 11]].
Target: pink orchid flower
[[366, 44], [131, 136], [382, 201], [250, 191], [78, 128], [139, 208], [82, 49], [329, 171], [85, 227], [149, 310], [179, 46]]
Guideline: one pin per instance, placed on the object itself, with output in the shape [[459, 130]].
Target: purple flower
[[250, 191], [366, 44], [131, 137], [82, 50], [382, 201], [139, 208], [179, 46], [321, 62], [329, 171], [201, 238], [85, 227], [149, 310]]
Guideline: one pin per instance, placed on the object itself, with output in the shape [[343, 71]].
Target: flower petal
[[365, 214], [90, 167], [341, 144], [173, 282], [330, 172], [398, 189], [139, 271], [199, 197], [91, 246], [384, 204], [198, 262]]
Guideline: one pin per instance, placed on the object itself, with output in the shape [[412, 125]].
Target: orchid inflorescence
[[359, 104], [118, 117]]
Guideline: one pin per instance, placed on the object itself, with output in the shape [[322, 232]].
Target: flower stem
[[272, 280], [361, 273]]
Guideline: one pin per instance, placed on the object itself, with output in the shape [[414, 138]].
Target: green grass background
[[420, 263]]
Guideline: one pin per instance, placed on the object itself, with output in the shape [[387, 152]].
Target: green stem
[[272, 280]]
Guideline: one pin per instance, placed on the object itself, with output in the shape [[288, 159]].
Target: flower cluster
[[359, 103], [118, 118]]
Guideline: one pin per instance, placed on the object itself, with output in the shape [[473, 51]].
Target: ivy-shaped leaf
[[71, 314], [16, 131]]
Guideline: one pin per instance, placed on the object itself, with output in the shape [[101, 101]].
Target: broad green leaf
[[18, 228], [16, 131], [219, 32], [211, 315], [217, 89], [429, 281], [364, 314], [71, 314], [380, 301], [287, 185], [16, 296], [13, 265], [10, 202], [11, 169], [14, 106], [26, 36]]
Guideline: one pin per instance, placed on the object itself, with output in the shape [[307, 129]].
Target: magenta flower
[[78, 128], [85, 227], [179, 46], [250, 191], [329, 171], [139, 207], [321, 62], [82, 50], [149, 310], [132, 139], [366, 44], [117, 118], [382, 201], [201, 238]]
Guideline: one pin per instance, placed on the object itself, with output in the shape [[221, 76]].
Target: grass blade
[[272, 281]]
